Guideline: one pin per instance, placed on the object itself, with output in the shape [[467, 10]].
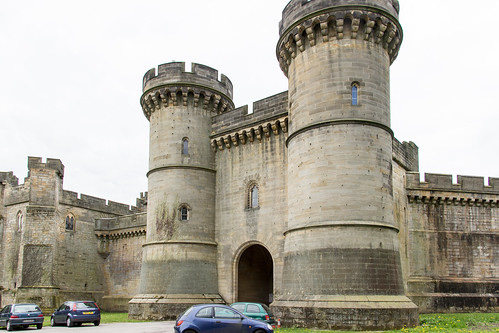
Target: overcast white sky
[[71, 74]]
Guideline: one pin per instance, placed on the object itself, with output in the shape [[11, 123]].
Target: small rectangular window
[[355, 94]]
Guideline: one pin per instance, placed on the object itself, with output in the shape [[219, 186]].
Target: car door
[[204, 320], [227, 320], [4, 315], [61, 313]]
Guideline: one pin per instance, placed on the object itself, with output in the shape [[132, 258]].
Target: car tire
[[9, 326], [97, 322], [259, 331], [39, 326], [69, 322], [52, 321], [189, 331]]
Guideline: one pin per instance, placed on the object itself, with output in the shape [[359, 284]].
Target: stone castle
[[309, 204]]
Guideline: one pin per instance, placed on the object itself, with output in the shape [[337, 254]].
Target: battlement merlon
[[52, 163], [174, 74], [406, 154], [297, 9], [9, 178], [440, 182]]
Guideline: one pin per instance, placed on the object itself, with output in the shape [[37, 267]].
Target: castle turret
[[179, 265], [341, 254]]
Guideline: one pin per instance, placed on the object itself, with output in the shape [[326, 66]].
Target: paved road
[[148, 327]]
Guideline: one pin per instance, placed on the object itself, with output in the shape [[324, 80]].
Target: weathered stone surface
[[341, 228]]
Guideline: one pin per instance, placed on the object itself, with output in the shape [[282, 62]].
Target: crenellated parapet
[[9, 178], [173, 86], [440, 189], [307, 23], [51, 163], [121, 227], [252, 134], [96, 204], [141, 201], [406, 154], [235, 128]]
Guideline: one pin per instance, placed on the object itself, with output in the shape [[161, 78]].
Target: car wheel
[[39, 326], [97, 322], [69, 322], [259, 331], [189, 331], [52, 321], [9, 326]]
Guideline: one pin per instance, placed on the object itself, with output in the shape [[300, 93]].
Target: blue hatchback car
[[21, 315], [73, 313], [217, 318]]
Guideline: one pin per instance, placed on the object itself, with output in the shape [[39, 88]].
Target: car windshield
[[186, 312], [266, 308], [26, 308], [85, 305]]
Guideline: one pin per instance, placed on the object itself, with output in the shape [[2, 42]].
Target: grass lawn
[[456, 322], [442, 323]]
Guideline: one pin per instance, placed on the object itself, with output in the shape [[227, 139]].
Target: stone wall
[[40, 260], [241, 164], [120, 243], [452, 237]]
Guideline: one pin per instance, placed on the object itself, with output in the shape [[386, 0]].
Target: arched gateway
[[255, 275]]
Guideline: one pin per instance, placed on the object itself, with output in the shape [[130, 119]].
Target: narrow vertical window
[[185, 146], [70, 222], [355, 93], [254, 197], [183, 214], [20, 221]]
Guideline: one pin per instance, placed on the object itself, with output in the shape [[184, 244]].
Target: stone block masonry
[[309, 204]]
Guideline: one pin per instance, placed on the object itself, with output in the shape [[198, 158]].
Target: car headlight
[[269, 326]]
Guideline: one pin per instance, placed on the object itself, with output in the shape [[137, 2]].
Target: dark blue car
[[73, 313], [217, 318], [21, 315]]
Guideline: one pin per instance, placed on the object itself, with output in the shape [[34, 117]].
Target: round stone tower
[[179, 265], [341, 255]]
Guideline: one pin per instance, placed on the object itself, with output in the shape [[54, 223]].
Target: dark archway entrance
[[255, 275]]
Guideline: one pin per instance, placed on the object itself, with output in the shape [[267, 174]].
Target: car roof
[[247, 303], [209, 304]]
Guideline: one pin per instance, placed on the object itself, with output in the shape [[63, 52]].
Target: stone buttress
[[342, 265], [179, 265]]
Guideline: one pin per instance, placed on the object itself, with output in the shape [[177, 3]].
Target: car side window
[[238, 307], [252, 308], [225, 313], [204, 313]]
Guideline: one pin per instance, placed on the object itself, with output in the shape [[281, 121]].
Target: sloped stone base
[[166, 307], [348, 313]]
